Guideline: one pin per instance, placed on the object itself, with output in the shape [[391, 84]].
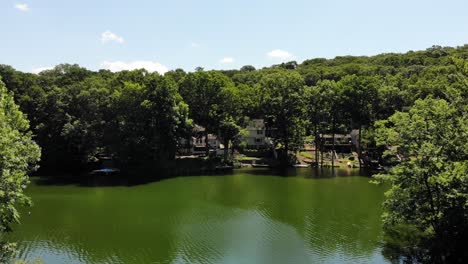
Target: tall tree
[[360, 101], [18, 156], [228, 130], [325, 112], [167, 116], [284, 106], [314, 112], [146, 121], [203, 93]]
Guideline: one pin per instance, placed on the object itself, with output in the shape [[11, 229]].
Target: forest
[[137, 117], [411, 105]]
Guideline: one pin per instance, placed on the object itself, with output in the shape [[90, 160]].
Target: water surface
[[249, 216]]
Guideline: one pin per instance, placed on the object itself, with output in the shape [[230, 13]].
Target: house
[[195, 144], [256, 136], [343, 142]]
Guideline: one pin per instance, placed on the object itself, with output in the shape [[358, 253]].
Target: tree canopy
[[430, 187], [283, 103], [18, 156]]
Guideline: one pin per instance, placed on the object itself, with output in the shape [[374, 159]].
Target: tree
[[427, 206], [389, 101], [177, 74], [284, 107], [145, 122], [18, 156], [331, 104], [84, 104], [228, 130], [126, 124], [315, 111], [202, 91], [360, 97], [247, 68], [167, 117], [324, 110]]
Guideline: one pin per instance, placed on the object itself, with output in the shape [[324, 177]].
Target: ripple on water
[[245, 219], [248, 237]]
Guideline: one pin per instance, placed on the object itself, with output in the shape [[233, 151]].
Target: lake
[[247, 216]]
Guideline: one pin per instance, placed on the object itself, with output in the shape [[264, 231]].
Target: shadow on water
[[123, 180], [314, 173], [88, 180], [93, 180]]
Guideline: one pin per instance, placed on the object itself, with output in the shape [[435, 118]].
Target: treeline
[[138, 117]]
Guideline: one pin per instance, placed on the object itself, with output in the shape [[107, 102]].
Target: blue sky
[[162, 35]]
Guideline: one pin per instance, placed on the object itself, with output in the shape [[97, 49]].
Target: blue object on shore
[[106, 171]]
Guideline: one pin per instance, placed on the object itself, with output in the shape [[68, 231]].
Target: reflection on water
[[251, 216]]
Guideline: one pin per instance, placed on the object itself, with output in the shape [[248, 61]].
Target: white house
[[256, 134]]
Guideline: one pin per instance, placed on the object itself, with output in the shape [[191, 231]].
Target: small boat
[[106, 171], [107, 167]]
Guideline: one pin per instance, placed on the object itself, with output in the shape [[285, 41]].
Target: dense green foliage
[[426, 215], [283, 104], [18, 155], [429, 193], [208, 94]]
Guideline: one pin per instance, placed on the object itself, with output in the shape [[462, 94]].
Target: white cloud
[[151, 66], [194, 45], [227, 60], [40, 69], [279, 54], [108, 36], [22, 7]]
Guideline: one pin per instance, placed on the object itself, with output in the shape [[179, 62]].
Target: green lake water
[[248, 216]]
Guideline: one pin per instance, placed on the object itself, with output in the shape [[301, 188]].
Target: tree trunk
[[207, 144], [286, 150], [321, 151], [226, 149], [333, 143], [359, 147], [286, 147], [316, 146]]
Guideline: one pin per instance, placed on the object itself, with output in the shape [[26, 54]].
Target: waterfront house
[[344, 143], [257, 135], [195, 144]]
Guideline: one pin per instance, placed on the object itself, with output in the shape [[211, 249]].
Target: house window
[[259, 132], [258, 140]]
